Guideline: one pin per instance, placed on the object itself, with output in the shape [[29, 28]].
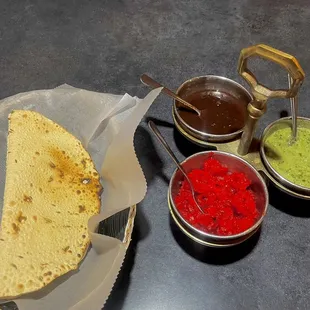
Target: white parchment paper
[[105, 124]]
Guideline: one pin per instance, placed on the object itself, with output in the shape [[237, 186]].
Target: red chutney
[[225, 197]]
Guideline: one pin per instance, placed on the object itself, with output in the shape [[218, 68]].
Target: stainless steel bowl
[[285, 122], [233, 163], [203, 84]]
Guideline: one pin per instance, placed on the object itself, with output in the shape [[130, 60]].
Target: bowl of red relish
[[231, 192]]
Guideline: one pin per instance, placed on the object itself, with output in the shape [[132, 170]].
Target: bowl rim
[[209, 243], [205, 134], [205, 234], [282, 180]]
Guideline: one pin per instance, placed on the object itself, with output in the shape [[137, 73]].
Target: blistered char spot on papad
[[51, 191]]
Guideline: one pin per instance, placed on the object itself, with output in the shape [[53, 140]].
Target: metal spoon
[[147, 80], [169, 151], [294, 109]]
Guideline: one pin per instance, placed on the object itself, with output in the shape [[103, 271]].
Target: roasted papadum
[[51, 190]]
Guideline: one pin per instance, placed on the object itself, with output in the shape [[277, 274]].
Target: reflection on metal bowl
[[223, 103]]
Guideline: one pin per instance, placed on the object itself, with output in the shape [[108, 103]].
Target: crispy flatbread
[[52, 189]]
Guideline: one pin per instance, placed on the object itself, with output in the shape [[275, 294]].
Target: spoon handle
[[147, 80], [294, 108], [168, 149], [165, 145]]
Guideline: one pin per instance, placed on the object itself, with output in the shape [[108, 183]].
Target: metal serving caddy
[[246, 146]]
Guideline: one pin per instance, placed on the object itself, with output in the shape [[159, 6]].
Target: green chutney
[[291, 161]]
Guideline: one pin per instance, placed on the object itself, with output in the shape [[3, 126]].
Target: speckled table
[[105, 46]]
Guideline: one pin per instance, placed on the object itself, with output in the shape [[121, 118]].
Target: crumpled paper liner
[[105, 124]]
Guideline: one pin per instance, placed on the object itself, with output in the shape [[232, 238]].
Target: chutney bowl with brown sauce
[[223, 105]]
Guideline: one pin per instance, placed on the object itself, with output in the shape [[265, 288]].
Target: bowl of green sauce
[[288, 162]]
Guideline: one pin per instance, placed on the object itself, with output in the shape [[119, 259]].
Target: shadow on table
[[118, 295], [284, 113], [152, 166], [214, 256], [151, 163], [288, 204], [159, 122], [186, 147]]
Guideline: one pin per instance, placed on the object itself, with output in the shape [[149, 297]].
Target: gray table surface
[[105, 46]]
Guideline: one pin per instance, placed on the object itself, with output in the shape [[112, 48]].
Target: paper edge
[[152, 95]]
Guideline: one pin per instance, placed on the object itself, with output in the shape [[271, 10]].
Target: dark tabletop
[[105, 46]]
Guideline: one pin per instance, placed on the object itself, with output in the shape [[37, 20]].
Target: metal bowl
[[271, 128], [233, 163], [202, 84]]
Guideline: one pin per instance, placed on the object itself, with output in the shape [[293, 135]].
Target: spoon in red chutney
[[170, 152]]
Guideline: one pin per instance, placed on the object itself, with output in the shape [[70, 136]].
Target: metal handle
[[261, 93], [165, 144], [285, 60], [147, 80]]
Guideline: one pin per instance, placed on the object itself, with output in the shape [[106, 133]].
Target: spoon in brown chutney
[[147, 80], [216, 111], [221, 112]]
